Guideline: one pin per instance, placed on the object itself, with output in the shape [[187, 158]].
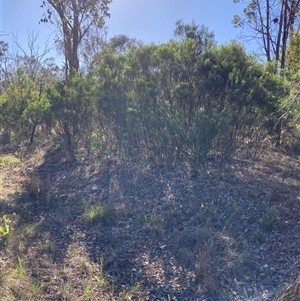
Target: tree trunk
[[268, 31], [277, 133], [68, 144], [32, 132]]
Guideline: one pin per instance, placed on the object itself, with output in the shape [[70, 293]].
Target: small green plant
[[88, 291], [4, 226], [135, 289], [126, 294], [21, 267], [36, 288], [102, 282], [9, 159], [269, 218], [100, 279], [10, 298], [259, 237], [152, 219], [100, 213], [4, 229]]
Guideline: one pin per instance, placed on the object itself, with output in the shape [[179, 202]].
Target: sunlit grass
[[36, 288], [99, 213], [20, 270], [9, 159]]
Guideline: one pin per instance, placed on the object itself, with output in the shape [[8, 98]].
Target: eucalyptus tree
[[3, 66], [270, 23], [290, 111], [74, 19], [204, 38]]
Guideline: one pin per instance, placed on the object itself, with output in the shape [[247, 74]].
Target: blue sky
[[146, 20]]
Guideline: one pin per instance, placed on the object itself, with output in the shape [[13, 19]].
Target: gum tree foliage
[[23, 107], [199, 34], [27, 73], [96, 41], [293, 53], [290, 111], [3, 63], [270, 23], [75, 19], [3, 48]]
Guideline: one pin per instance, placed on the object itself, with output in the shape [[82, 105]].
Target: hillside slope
[[106, 229]]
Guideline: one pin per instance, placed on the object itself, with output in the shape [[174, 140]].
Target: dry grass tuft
[[15, 284], [185, 257], [194, 249], [204, 260], [291, 293], [193, 239]]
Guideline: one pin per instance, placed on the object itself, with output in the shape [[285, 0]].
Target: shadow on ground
[[170, 233]]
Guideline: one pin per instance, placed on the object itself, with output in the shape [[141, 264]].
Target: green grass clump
[[4, 229], [100, 213], [269, 218], [36, 288], [20, 270], [9, 159], [260, 237]]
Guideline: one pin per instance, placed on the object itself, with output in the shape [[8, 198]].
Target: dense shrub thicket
[[185, 99]]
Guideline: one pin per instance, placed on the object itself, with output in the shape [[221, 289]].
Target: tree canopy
[[270, 23], [75, 19]]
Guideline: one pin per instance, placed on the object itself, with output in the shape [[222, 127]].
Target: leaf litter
[[169, 233]]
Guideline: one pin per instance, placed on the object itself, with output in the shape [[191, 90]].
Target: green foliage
[[184, 99], [200, 34], [260, 237], [293, 52], [269, 218], [201, 136], [295, 146], [96, 214], [101, 277], [23, 106], [4, 228], [291, 106], [72, 107], [20, 270], [88, 291], [9, 159], [36, 288], [172, 101]]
